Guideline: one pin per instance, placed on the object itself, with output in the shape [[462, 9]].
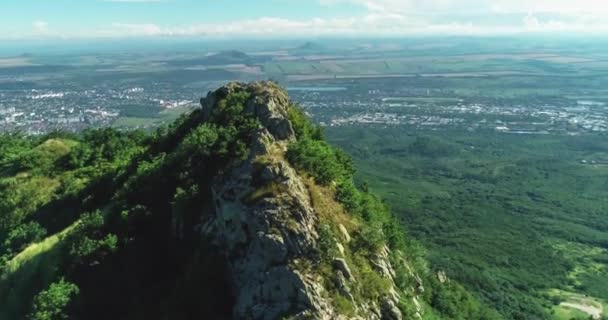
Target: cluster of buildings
[[378, 107], [395, 119], [37, 111], [78, 106]]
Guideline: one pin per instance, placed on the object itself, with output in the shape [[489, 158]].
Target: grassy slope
[[40, 263], [30, 270]]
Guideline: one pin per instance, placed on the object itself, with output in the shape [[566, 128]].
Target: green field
[[421, 99], [446, 63], [165, 116], [572, 305]]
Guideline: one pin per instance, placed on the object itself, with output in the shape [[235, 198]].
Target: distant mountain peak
[[232, 53], [228, 57], [311, 46]]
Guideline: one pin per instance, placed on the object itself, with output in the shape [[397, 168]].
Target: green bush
[[349, 196], [328, 248], [370, 238], [106, 145], [373, 284], [302, 126], [453, 301], [23, 235], [230, 110], [322, 161], [88, 241], [51, 304], [80, 156], [11, 146], [201, 140]]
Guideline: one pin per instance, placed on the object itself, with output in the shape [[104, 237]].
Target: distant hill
[[309, 47], [217, 59], [228, 57]]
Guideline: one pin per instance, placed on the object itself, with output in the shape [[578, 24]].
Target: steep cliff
[[266, 224], [239, 210]]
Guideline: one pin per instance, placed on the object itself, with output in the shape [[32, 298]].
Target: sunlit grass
[[29, 253], [28, 273]]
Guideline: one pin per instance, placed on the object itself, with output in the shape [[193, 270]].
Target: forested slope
[[237, 210]]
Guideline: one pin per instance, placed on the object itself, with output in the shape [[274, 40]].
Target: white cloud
[[40, 27], [137, 1], [375, 23], [487, 6], [372, 24], [493, 16], [565, 7], [130, 29], [385, 18]]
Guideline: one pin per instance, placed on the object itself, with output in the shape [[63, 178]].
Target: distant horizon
[[11, 48], [103, 19]]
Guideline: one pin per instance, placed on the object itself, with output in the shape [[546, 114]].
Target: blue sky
[[32, 19]]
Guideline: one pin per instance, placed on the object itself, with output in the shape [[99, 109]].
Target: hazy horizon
[[270, 19], [11, 48]]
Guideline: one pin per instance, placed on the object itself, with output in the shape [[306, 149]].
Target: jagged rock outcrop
[[263, 234], [442, 277], [344, 233], [265, 225], [268, 103]]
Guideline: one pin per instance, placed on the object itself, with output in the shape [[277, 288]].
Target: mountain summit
[[238, 210], [268, 222]]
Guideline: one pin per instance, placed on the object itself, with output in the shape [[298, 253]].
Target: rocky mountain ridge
[[265, 237], [237, 210]]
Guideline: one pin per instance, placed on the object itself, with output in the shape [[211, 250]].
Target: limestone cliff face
[[267, 228]]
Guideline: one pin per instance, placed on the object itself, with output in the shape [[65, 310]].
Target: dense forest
[[88, 226], [519, 220]]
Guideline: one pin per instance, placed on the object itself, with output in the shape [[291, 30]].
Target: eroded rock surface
[[263, 234], [265, 224]]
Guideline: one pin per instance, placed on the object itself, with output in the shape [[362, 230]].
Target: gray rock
[[271, 247], [442, 277], [342, 285], [344, 232], [419, 285], [394, 295], [207, 105], [265, 241], [341, 266], [270, 104], [340, 248], [262, 141], [276, 172], [261, 240], [269, 173], [417, 304], [390, 311], [382, 264]]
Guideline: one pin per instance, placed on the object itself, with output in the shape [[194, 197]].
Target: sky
[[67, 19]]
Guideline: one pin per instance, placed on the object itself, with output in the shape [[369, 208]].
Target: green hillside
[[519, 220], [106, 224]]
